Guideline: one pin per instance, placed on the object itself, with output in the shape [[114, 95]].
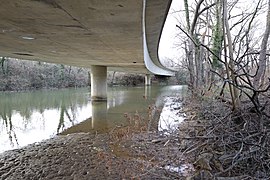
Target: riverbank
[[208, 145], [86, 156], [124, 152], [23, 75], [89, 156]]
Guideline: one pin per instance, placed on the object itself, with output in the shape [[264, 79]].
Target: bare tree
[[231, 66], [259, 77]]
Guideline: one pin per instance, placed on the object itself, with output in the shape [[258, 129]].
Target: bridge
[[115, 35]]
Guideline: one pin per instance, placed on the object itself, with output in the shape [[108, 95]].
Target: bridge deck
[[82, 32]]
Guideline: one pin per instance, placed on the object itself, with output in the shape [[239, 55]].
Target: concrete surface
[[83, 32]]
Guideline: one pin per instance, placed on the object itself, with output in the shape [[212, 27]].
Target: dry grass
[[135, 124]]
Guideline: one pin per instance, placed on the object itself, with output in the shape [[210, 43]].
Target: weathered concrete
[[85, 32], [98, 83]]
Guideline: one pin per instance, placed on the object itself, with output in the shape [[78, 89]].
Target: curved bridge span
[[118, 35]]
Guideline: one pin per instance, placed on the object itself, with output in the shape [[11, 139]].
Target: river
[[29, 117]]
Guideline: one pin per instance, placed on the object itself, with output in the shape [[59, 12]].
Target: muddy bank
[[209, 144], [124, 153], [86, 156], [63, 157]]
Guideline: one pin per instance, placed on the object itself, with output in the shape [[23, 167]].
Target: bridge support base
[[98, 83], [147, 80]]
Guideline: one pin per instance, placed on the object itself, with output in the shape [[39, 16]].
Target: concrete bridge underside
[[122, 35]]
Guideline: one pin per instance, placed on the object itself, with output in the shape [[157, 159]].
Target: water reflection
[[33, 116], [99, 115], [28, 117], [145, 101]]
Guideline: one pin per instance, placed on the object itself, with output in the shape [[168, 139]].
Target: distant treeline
[[18, 75]]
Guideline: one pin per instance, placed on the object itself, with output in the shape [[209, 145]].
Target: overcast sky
[[167, 47], [168, 43]]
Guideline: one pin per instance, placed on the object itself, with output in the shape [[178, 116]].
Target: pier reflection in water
[[29, 117]]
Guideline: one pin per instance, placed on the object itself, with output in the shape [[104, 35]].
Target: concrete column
[[147, 80], [99, 83]]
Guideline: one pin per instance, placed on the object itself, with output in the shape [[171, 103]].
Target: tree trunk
[[259, 78], [190, 50], [235, 93], [190, 59]]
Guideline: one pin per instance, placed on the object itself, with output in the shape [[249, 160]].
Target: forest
[[223, 46], [21, 75], [24, 75]]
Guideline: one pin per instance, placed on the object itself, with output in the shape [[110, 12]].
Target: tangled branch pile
[[224, 144]]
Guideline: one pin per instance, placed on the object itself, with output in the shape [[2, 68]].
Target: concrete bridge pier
[[147, 80], [98, 83]]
